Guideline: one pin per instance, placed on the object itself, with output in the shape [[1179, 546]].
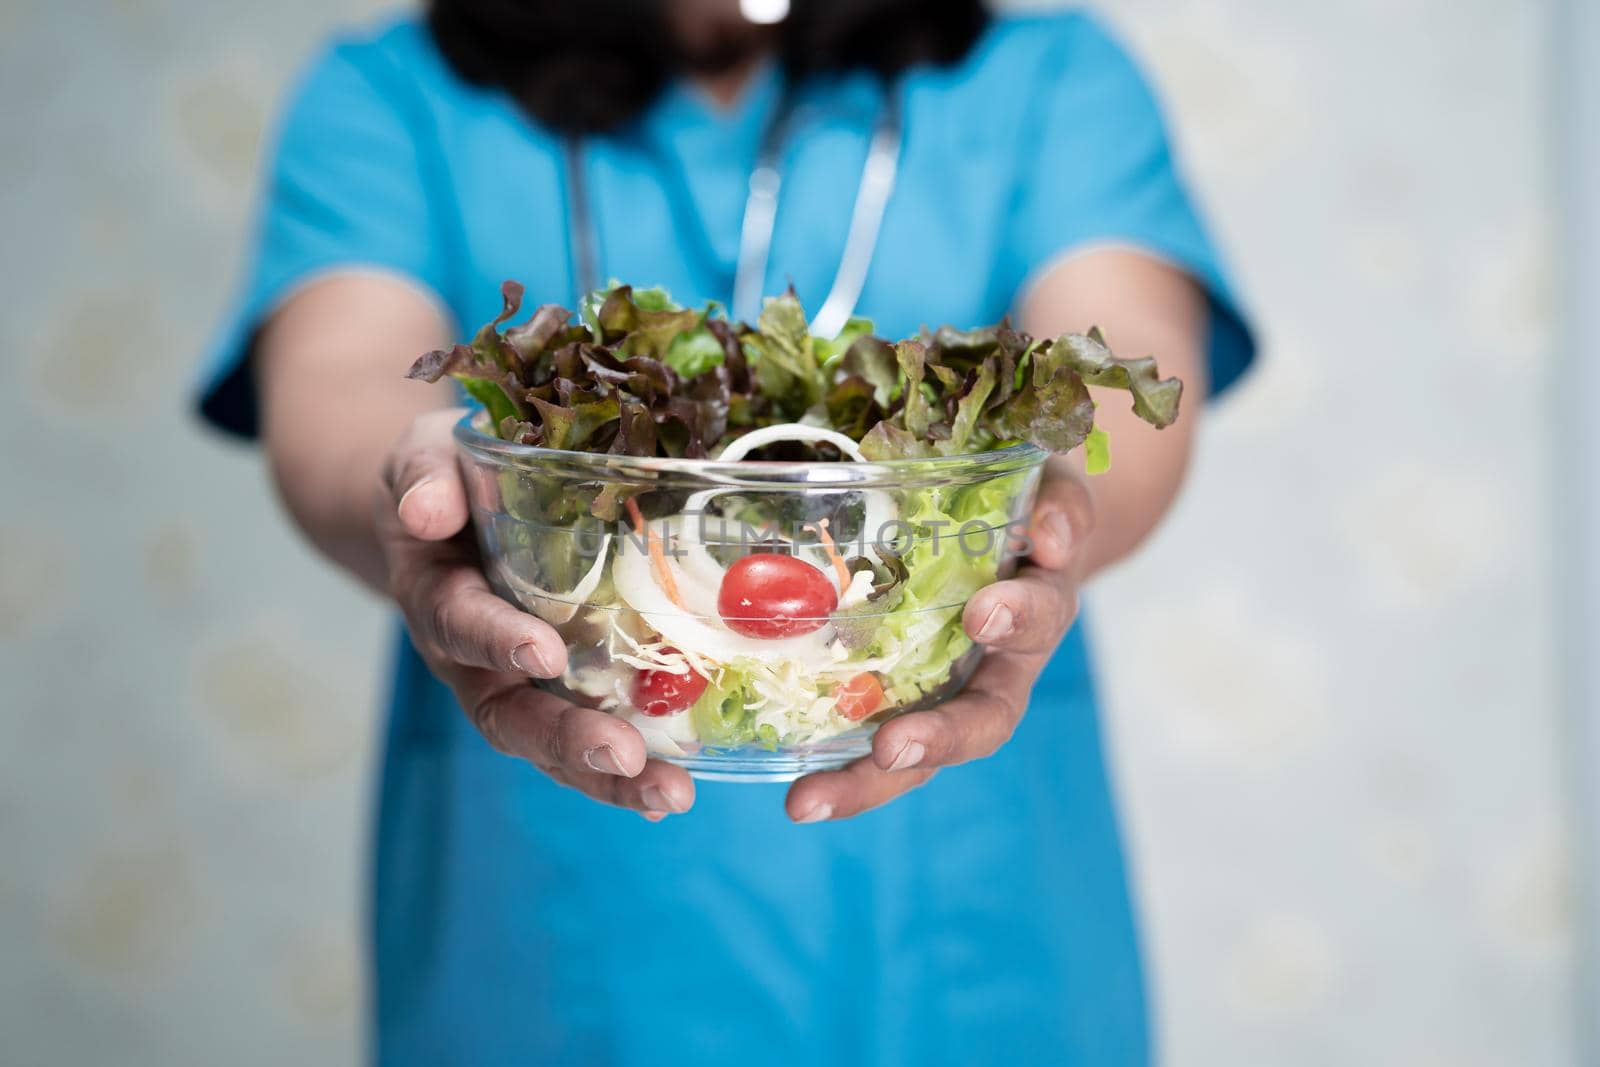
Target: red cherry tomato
[[663, 693], [768, 596], [859, 697]]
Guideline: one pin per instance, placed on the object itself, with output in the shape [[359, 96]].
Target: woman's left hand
[[1020, 621]]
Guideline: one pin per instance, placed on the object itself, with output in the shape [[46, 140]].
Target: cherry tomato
[[663, 693], [768, 596], [859, 697]]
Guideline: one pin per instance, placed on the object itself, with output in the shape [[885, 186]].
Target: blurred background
[[1350, 805]]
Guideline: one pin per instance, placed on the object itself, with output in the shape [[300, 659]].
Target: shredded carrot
[[658, 555], [833, 553]]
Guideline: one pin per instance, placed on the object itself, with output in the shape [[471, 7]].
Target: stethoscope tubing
[[873, 193]]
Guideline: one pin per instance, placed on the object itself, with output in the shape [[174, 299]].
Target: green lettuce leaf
[[493, 396], [1097, 452], [831, 351], [654, 298], [693, 352], [874, 361], [957, 543], [969, 408], [887, 441], [783, 358], [931, 661]]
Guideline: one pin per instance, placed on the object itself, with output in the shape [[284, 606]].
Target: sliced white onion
[[700, 584], [664, 735], [593, 682], [554, 608], [695, 559], [744, 444], [857, 592], [698, 576], [701, 635], [879, 509]]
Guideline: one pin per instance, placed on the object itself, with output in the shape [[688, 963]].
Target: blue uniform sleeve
[[345, 189], [1102, 172]]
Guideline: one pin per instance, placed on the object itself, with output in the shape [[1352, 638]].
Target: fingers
[[591, 751], [454, 615], [423, 481], [658, 791], [1028, 613], [434, 576], [972, 725], [908, 750], [486, 648], [1063, 517], [849, 791]]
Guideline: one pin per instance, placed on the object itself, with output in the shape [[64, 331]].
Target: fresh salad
[[781, 609]]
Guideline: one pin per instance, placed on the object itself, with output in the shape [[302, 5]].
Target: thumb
[[423, 479], [1063, 516]]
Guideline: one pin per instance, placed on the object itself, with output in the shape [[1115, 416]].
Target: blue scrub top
[[983, 918]]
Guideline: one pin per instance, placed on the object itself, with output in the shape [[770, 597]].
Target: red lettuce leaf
[[639, 375]]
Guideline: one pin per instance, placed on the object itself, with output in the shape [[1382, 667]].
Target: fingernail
[[910, 755], [603, 759], [1059, 529], [817, 814], [998, 625], [652, 816], [529, 658], [400, 508], [655, 798]]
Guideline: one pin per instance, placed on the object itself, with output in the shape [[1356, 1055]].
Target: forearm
[[1129, 508], [1144, 307], [330, 370], [330, 496]]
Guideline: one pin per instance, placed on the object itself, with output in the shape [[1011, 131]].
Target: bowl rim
[[993, 462]]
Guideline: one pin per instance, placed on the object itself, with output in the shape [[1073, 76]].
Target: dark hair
[[591, 66]]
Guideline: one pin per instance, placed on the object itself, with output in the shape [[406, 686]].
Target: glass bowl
[[755, 620]]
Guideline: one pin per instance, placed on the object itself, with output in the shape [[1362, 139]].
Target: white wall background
[[1349, 806], [1578, 136], [1345, 797]]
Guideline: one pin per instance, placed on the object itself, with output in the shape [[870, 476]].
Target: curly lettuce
[[637, 374]]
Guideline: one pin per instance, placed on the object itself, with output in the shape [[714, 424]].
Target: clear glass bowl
[[755, 620]]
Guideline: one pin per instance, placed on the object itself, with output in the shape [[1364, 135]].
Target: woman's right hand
[[487, 650]]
